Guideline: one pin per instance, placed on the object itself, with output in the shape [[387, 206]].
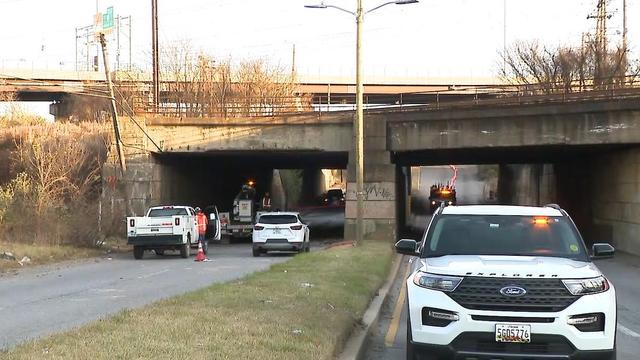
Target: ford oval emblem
[[513, 291]]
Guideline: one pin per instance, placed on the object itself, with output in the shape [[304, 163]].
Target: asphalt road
[[388, 338], [45, 300]]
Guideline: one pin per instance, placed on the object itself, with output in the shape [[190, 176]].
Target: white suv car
[[280, 231], [507, 282]]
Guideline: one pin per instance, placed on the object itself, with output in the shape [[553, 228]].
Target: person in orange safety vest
[[266, 202], [202, 225]]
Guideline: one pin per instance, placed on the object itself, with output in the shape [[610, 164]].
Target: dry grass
[[269, 315], [41, 255]]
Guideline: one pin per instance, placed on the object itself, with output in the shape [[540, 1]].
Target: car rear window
[[167, 212], [278, 219], [504, 235]]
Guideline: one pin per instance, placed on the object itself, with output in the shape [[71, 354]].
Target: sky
[[434, 38]]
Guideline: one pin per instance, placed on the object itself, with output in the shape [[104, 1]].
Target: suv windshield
[[504, 235], [278, 219], [167, 212]]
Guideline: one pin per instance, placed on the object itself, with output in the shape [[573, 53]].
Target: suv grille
[[543, 295], [540, 345]]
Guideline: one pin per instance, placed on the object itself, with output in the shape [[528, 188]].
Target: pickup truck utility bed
[[163, 228]]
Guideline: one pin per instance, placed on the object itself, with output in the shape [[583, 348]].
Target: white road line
[[153, 274], [625, 330]]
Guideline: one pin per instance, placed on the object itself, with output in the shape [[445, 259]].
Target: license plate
[[513, 333], [155, 230], [276, 231]]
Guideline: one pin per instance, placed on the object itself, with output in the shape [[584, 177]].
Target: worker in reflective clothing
[[266, 202], [202, 228]]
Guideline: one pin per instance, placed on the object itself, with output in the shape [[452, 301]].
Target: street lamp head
[[405, 2], [317, 6]]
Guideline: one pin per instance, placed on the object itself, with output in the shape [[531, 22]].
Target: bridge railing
[[521, 94]]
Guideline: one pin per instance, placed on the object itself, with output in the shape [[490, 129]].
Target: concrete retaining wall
[[616, 199]]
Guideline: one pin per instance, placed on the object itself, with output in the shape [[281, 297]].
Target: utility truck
[[163, 228]]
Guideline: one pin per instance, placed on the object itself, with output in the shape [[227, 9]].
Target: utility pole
[[76, 67], [624, 36], [154, 53], [601, 17], [293, 62], [504, 37], [114, 117], [114, 113]]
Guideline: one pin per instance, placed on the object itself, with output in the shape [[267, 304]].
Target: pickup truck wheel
[[138, 252], [185, 250], [159, 252], [256, 252]]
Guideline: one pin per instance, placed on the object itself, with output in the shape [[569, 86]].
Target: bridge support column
[[380, 218], [526, 184]]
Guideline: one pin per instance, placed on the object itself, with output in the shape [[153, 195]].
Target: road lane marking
[[397, 311], [146, 276], [625, 330]]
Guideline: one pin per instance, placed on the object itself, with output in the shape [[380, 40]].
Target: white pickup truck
[[163, 228]]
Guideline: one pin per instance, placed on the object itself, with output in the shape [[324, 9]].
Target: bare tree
[[200, 85], [564, 69], [61, 165]]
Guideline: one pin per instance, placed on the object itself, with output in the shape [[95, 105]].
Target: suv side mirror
[[602, 251], [407, 247]]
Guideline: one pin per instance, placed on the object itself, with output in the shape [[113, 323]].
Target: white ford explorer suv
[[507, 282]]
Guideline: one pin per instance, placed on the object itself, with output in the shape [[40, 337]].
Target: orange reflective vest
[[266, 203], [202, 223]]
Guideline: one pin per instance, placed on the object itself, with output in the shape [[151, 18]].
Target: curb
[[355, 346]]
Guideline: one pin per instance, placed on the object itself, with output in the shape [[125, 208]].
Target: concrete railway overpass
[[69, 89], [589, 148]]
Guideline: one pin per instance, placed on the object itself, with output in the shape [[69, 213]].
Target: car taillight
[[132, 222], [258, 228], [177, 221], [296, 227]]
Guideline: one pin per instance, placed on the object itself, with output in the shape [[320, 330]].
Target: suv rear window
[[278, 219], [504, 235], [167, 212]]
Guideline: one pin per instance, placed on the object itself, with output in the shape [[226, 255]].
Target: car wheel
[[256, 252], [159, 252], [185, 249], [138, 252], [308, 247]]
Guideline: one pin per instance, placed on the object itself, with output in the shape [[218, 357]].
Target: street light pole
[[359, 120], [359, 128]]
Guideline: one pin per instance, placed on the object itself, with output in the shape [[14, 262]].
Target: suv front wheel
[[412, 353]]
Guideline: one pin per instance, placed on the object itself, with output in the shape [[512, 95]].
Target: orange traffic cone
[[200, 256]]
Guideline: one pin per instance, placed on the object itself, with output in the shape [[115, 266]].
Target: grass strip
[[303, 309]]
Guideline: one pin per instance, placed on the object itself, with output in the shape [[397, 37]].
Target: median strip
[[305, 308]]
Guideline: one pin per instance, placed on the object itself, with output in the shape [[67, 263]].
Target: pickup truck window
[[504, 235], [167, 212], [278, 219]]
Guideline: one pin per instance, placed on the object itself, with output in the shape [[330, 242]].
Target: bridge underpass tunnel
[[295, 180], [599, 186]]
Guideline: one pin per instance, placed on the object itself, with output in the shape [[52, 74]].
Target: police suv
[[507, 282]]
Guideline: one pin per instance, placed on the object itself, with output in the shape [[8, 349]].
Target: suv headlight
[[436, 282], [587, 286]]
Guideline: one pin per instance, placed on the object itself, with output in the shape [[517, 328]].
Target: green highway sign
[[107, 18]]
